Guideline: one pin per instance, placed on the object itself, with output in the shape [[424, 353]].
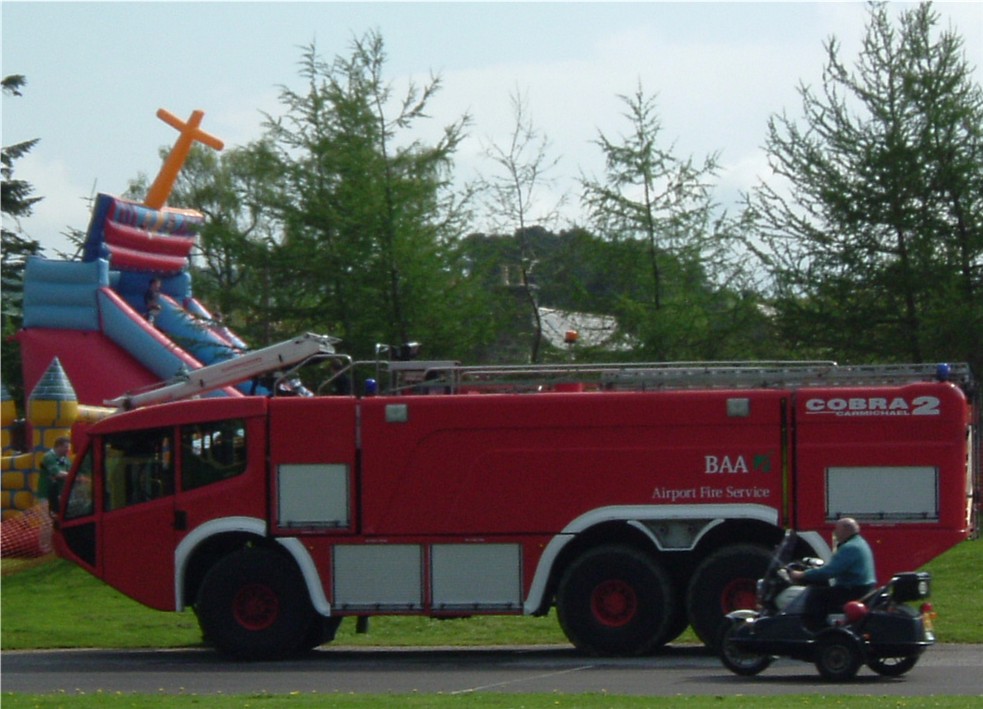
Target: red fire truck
[[634, 499]]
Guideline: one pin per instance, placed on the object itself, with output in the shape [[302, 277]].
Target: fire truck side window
[[211, 452], [80, 496], [139, 467]]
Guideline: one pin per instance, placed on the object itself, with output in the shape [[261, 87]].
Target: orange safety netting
[[26, 535]]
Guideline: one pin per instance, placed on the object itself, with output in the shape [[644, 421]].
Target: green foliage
[[17, 201], [366, 214], [579, 271], [873, 233], [336, 221], [673, 254], [237, 256], [513, 195]]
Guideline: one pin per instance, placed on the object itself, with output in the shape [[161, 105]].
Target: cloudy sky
[[98, 72]]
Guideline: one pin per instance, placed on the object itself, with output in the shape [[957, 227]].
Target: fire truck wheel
[[615, 600], [252, 605], [724, 582], [322, 631], [678, 622]]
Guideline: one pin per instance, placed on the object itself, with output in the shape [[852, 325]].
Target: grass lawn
[[50, 603]]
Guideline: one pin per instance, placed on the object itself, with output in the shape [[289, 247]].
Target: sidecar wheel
[[892, 666], [838, 656], [738, 661]]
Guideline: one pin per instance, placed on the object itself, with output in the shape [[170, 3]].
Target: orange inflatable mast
[[190, 132]]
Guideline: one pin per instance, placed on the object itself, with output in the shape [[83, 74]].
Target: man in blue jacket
[[850, 571]]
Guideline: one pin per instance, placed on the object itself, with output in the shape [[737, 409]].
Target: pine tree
[[18, 201]]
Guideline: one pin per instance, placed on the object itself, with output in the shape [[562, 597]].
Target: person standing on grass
[[54, 470]]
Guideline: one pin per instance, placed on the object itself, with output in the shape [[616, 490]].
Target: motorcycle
[[880, 630]]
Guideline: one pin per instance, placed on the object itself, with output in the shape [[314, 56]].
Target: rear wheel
[[838, 656], [322, 631], [726, 581], [735, 659], [253, 605], [892, 666], [615, 600]]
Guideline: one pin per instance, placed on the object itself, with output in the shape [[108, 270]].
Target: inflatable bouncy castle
[[86, 322], [91, 314]]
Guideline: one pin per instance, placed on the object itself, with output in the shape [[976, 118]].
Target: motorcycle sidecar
[[880, 631]]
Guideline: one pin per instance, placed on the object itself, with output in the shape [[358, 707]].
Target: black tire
[[723, 583], [737, 661], [892, 666], [838, 656], [253, 605], [322, 631], [677, 623], [615, 600]]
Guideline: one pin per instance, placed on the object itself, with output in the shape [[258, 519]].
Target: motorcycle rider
[[850, 571]]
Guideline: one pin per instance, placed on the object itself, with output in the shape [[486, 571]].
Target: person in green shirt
[[848, 575], [54, 470]]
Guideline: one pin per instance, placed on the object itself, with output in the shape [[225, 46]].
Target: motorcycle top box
[[879, 629], [911, 586]]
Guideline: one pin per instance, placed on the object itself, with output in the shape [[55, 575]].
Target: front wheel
[[892, 666], [615, 600], [253, 605], [736, 660]]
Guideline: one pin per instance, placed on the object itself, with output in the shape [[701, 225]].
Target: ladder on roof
[[274, 358], [687, 375]]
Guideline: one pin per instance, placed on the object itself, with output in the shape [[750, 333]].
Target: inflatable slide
[[91, 314]]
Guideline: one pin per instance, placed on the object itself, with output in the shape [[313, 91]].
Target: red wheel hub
[[739, 594], [256, 606], [614, 603]]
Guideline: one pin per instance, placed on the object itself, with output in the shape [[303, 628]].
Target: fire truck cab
[[635, 500]]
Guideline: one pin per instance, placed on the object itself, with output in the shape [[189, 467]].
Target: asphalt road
[[943, 669]]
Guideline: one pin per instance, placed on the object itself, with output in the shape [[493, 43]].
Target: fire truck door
[[136, 528]]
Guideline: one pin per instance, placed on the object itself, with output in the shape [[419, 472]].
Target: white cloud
[[64, 203], [718, 71]]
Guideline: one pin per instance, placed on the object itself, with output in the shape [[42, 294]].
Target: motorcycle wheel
[[892, 666], [838, 656], [737, 661]]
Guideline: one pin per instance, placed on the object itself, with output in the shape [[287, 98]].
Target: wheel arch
[[737, 531], [609, 532], [659, 530], [208, 543]]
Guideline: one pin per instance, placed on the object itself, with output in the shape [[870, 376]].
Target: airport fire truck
[[634, 499]]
